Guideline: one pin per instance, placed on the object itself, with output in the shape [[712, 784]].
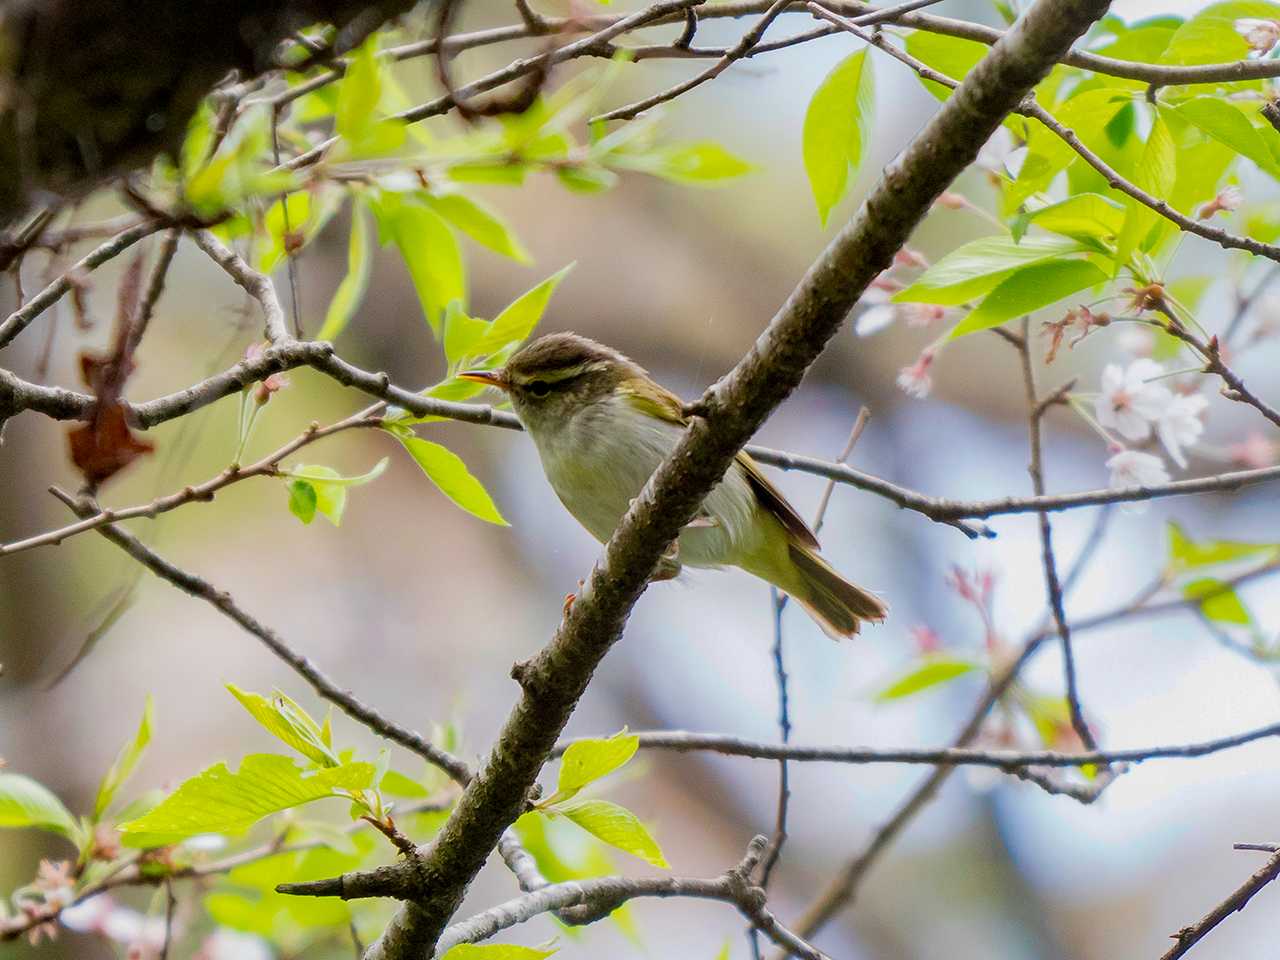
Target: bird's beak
[[490, 378]]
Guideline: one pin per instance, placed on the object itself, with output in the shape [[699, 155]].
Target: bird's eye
[[539, 388]]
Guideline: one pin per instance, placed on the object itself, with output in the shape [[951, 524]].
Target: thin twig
[[155, 287], [683, 741], [777, 605], [749, 40], [17, 321], [1188, 937], [200, 588], [1053, 587], [268, 466], [254, 283]]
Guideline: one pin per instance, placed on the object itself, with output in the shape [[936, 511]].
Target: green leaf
[[1086, 216], [1156, 173], [1218, 601], [588, 760], [950, 56], [298, 204], [429, 250], [1210, 36], [518, 320], [198, 140], [219, 801], [461, 335], [446, 470], [586, 178], [302, 500], [26, 803], [359, 92], [1222, 121], [495, 951], [931, 672], [125, 763], [1186, 554], [328, 490], [616, 826], [479, 223], [1029, 289], [701, 163], [836, 129], [285, 719], [399, 785], [978, 267], [351, 290]]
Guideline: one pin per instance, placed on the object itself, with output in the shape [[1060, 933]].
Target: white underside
[[596, 474]]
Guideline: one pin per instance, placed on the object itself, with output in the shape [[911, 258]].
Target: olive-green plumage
[[602, 426]]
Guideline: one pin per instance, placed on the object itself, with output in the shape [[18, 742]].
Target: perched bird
[[602, 426]]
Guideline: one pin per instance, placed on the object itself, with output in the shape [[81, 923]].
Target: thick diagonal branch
[[726, 417]]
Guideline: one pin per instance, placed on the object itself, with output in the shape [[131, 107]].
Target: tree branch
[[268, 466], [682, 741], [1188, 937], [597, 898], [17, 321], [1053, 587]]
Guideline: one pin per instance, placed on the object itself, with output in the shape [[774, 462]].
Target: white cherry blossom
[[1131, 401], [1132, 468], [1180, 425]]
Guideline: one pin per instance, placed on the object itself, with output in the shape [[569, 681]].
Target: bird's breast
[[599, 460]]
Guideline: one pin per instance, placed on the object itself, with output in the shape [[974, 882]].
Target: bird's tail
[[838, 606]]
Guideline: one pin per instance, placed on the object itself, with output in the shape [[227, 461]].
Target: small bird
[[602, 426]]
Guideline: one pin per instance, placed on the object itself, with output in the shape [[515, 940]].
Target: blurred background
[[421, 609]]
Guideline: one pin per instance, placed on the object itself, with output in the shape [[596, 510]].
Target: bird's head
[[555, 377]]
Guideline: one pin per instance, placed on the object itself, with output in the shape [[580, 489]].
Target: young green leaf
[[1219, 601], [359, 92], [298, 206], [446, 470], [1027, 290], [616, 826], [586, 178], [518, 319], [327, 490], [1186, 554], [431, 253], [350, 292], [1156, 173], [836, 127], [125, 763], [1211, 37], [219, 801], [479, 223], [399, 785], [951, 56], [1084, 217], [588, 760], [1221, 120], [495, 951], [929, 673], [302, 500], [462, 335], [697, 164], [26, 803], [979, 266], [285, 719]]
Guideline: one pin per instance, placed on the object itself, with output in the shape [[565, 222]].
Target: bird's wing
[[659, 402], [771, 499]]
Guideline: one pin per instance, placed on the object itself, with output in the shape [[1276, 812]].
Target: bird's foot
[[570, 597], [669, 566]]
